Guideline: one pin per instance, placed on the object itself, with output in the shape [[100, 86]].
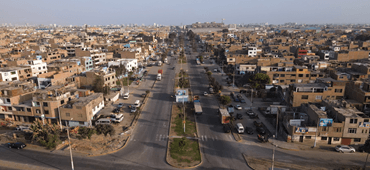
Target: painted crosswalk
[[161, 137], [207, 138]]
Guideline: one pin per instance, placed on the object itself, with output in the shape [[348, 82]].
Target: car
[[345, 148], [202, 62], [215, 70], [239, 116], [238, 107], [261, 130], [205, 93], [133, 109], [249, 130], [116, 110], [253, 115], [257, 124], [22, 128], [120, 105], [145, 73], [226, 129], [243, 91], [18, 145], [242, 101]]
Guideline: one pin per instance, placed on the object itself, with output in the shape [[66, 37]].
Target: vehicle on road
[[126, 95], [137, 103], [226, 128], [345, 148], [261, 130], [197, 106], [263, 137], [205, 93], [230, 109], [242, 101], [238, 107], [159, 75], [120, 105], [249, 130], [239, 116], [133, 109], [215, 70], [224, 114], [210, 88], [257, 124], [239, 128], [17, 145]]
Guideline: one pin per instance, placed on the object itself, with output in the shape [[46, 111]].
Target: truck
[[165, 60], [224, 116], [197, 106], [159, 76]]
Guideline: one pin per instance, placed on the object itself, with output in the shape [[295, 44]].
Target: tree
[[209, 73], [201, 58], [259, 80], [85, 132], [105, 129], [225, 30], [47, 135], [225, 100], [98, 85]]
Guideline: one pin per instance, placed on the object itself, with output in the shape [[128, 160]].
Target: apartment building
[[9, 74], [37, 67], [359, 91], [323, 88], [46, 102], [128, 63], [88, 78], [246, 68], [80, 111], [15, 100]]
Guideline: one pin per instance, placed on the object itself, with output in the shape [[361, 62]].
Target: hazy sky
[[174, 12]]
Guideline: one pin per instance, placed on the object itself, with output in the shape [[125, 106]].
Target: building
[[81, 110], [324, 88]]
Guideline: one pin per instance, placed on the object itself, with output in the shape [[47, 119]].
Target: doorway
[[301, 139], [329, 141]]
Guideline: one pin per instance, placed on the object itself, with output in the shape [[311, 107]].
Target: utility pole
[[251, 98], [317, 129], [366, 161], [277, 123], [70, 146], [273, 157]]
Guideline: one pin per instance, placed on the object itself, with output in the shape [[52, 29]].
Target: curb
[[284, 148], [246, 161]]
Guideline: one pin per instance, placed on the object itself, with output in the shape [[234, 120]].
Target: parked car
[[345, 148], [239, 116], [22, 128], [133, 109], [249, 130], [261, 130], [215, 70], [120, 105], [18, 145], [253, 116], [226, 129], [242, 101], [116, 110], [238, 107], [205, 93]]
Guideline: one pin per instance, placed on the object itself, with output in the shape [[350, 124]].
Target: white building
[[128, 63], [252, 51], [9, 74], [246, 68], [37, 67]]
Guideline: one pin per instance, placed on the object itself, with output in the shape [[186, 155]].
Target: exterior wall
[[9, 75]]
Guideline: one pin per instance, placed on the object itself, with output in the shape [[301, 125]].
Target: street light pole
[[70, 146], [273, 157]]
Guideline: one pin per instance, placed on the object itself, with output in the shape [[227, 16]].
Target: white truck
[[159, 75]]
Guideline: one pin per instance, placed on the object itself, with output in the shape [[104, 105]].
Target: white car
[[205, 93], [215, 70], [238, 107], [345, 148]]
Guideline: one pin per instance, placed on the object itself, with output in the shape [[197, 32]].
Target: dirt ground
[[174, 162]]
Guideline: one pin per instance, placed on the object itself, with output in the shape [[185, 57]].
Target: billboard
[[326, 122], [301, 130]]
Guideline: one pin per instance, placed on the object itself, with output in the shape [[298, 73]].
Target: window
[[337, 129], [10, 108], [324, 138], [46, 112], [318, 97], [8, 100], [352, 130], [300, 75], [39, 68], [338, 90], [307, 75], [28, 109], [45, 104], [304, 96], [38, 111], [62, 102], [292, 81], [364, 131], [300, 69], [81, 123], [356, 139], [335, 139], [67, 114], [281, 81], [308, 137], [353, 121]]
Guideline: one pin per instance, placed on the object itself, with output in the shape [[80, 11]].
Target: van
[[117, 118], [103, 121], [126, 95], [239, 127]]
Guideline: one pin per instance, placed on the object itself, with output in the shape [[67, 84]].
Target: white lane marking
[[160, 137], [205, 137], [132, 137], [164, 124], [202, 138], [230, 137]]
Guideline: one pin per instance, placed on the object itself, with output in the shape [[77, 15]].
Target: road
[[146, 148]]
